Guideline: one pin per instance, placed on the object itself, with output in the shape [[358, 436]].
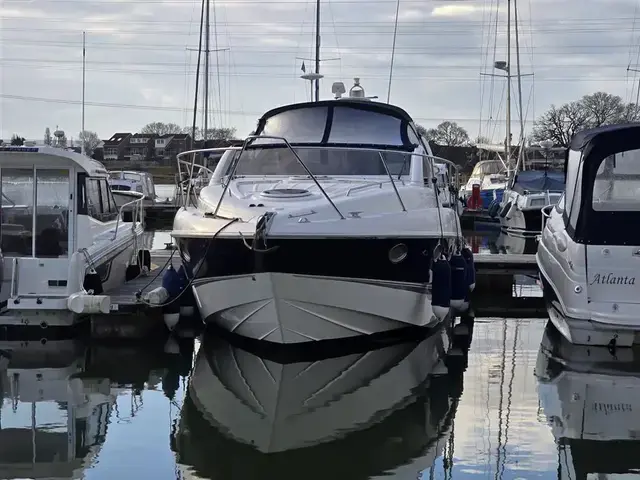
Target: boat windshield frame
[[328, 123]]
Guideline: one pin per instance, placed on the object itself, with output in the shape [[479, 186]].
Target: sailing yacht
[[322, 227]]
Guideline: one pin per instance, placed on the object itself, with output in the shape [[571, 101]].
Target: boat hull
[[579, 330], [285, 308], [362, 258]]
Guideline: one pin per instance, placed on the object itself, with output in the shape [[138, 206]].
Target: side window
[[109, 210], [94, 207], [100, 203]]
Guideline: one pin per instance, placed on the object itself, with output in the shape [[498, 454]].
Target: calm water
[[526, 406]]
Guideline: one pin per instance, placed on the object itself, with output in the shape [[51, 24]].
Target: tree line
[[558, 123]]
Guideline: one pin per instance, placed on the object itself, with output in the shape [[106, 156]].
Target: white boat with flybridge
[[64, 243], [324, 214], [589, 251]]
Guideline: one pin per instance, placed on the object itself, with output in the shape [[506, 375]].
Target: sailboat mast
[[84, 53], [507, 142], [317, 96], [520, 162], [206, 75]]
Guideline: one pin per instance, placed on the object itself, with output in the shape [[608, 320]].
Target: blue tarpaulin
[[539, 181]]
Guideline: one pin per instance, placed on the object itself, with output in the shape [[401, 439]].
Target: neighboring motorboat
[[491, 177], [128, 185], [63, 241], [264, 418], [589, 251], [590, 397], [323, 213], [520, 211]]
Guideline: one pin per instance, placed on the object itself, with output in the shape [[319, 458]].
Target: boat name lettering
[[612, 279]]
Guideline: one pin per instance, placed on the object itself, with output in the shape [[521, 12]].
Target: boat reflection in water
[[36, 440], [353, 416], [591, 397]]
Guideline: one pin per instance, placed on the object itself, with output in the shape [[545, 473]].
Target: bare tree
[[90, 140], [448, 133], [17, 140], [47, 136], [480, 139], [594, 110], [220, 133], [160, 128], [560, 124], [603, 108], [631, 113]]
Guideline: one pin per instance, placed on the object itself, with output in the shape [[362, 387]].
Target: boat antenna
[[317, 59], [393, 49], [84, 54]]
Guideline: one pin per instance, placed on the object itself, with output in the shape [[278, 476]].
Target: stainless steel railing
[[187, 168]]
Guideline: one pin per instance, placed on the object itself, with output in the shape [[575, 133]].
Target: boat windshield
[[131, 176], [322, 161], [617, 183], [487, 168]]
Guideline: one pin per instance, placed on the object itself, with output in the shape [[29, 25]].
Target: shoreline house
[[114, 148]]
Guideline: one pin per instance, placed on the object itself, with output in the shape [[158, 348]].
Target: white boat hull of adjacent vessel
[[289, 308]]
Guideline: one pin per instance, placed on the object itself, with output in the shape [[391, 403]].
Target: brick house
[[115, 147], [168, 146], [141, 147]]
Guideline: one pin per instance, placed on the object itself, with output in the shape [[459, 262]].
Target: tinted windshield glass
[[348, 124], [281, 161]]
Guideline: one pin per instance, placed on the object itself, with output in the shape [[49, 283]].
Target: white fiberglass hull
[[291, 308]]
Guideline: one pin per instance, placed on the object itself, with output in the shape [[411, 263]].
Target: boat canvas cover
[[339, 123], [608, 223], [533, 181]]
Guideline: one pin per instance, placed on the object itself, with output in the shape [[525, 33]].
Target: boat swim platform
[[490, 268]]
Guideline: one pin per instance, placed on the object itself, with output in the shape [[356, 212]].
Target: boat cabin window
[[617, 183], [120, 187], [37, 228], [487, 168], [100, 203], [321, 161]]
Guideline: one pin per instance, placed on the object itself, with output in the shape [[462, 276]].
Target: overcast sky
[[139, 69]]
